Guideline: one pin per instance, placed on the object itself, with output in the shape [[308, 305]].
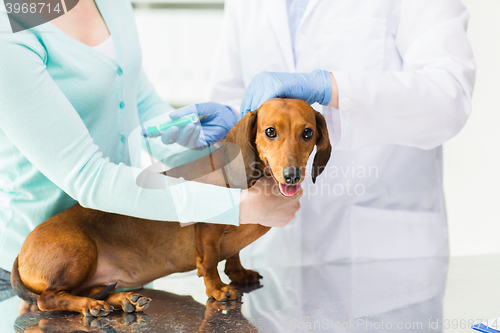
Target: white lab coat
[[405, 74], [336, 295]]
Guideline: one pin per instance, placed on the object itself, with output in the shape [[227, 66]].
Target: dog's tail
[[28, 296], [6, 291], [19, 288], [104, 292]]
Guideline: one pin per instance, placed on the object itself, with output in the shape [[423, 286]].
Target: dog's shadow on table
[[168, 313]]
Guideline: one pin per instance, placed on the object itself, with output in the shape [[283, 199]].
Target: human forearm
[[40, 121], [427, 100]]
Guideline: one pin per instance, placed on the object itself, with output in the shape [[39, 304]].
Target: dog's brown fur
[[82, 253]]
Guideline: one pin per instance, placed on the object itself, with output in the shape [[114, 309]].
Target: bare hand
[[263, 204]]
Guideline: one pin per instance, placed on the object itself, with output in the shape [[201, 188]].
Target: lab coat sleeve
[[227, 81], [41, 122], [426, 103]]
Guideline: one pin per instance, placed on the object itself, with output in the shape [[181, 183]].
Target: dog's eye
[[308, 133], [270, 133]]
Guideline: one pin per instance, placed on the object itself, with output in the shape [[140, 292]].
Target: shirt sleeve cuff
[[341, 117]]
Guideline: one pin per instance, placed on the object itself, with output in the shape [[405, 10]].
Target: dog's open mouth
[[288, 190], [285, 190]]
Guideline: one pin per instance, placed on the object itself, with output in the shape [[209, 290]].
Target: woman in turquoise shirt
[[66, 111]]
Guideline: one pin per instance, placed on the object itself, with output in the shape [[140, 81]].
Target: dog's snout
[[292, 175]]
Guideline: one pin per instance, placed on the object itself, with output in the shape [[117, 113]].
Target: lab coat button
[[345, 104], [123, 138], [122, 105], [119, 72]]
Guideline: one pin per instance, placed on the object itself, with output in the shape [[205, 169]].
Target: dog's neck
[[257, 170]]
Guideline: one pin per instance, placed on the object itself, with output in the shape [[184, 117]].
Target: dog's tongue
[[289, 190]]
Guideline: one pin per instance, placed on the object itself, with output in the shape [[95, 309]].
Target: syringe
[[154, 131]]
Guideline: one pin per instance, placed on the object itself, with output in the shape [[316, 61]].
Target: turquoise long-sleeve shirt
[[66, 113]]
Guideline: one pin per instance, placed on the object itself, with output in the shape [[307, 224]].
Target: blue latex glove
[[315, 87], [208, 130]]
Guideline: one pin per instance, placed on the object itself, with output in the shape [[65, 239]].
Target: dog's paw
[[132, 302], [243, 277], [96, 321], [133, 319], [224, 307], [25, 308], [97, 308], [223, 292]]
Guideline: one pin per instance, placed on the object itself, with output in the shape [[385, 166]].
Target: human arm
[[425, 101], [40, 121], [429, 100]]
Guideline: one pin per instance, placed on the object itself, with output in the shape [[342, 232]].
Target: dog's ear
[[323, 147], [251, 133], [243, 134]]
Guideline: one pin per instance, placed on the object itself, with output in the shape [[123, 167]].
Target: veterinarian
[[71, 91], [393, 79]]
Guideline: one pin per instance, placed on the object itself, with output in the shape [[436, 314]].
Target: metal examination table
[[421, 295]]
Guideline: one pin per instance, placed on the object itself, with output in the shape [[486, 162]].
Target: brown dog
[[74, 260]]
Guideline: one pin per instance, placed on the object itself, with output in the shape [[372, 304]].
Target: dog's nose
[[292, 175]]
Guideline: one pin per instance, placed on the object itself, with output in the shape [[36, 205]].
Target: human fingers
[[170, 135], [187, 134]]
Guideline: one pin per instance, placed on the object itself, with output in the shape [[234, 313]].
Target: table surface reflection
[[420, 295]]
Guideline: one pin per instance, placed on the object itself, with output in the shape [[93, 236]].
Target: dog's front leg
[[208, 241], [239, 274]]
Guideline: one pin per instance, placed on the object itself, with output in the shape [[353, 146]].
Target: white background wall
[[472, 159], [178, 47]]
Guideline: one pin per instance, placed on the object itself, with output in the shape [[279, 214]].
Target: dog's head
[[278, 139]]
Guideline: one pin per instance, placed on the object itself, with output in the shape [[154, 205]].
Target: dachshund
[[76, 259]]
